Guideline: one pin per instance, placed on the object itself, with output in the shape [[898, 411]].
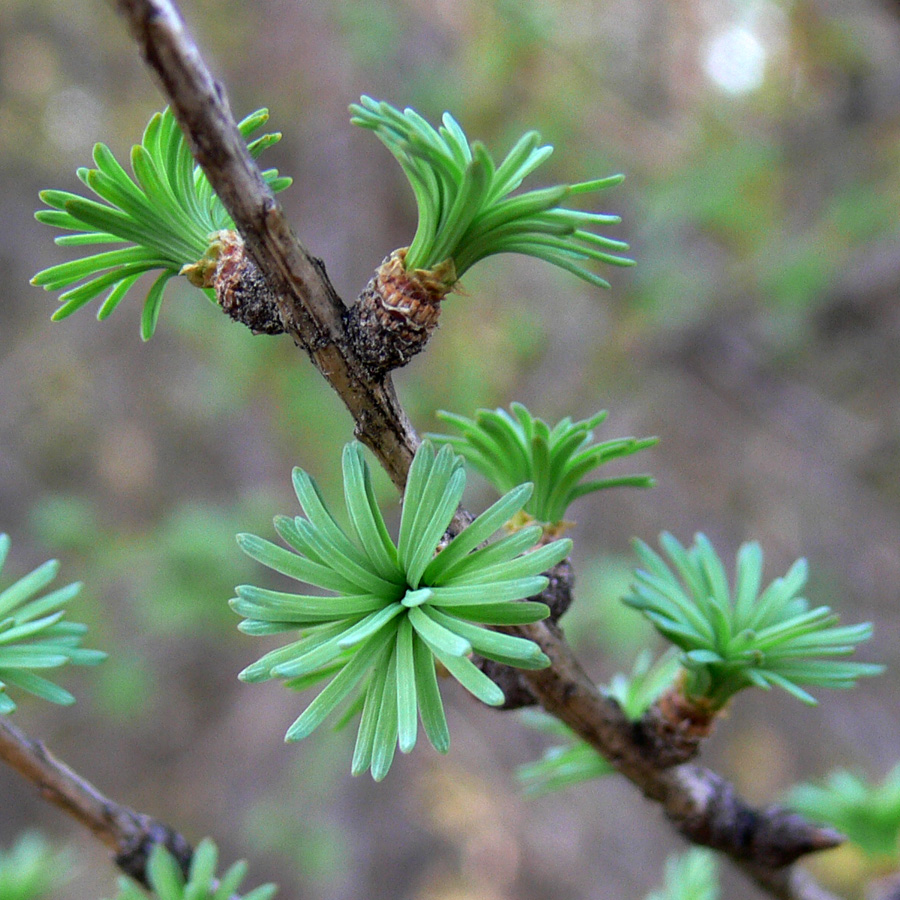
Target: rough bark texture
[[310, 309], [128, 834], [242, 290], [394, 316], [701, 805]]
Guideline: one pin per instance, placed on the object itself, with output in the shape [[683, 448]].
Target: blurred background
[[758, 338]]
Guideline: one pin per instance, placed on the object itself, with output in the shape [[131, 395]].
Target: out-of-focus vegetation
[[31, 867], [757, 336], [691, 876], [866, 811]]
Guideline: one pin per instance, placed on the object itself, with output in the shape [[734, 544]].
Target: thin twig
[[311, 311], [128, 834], [702, 806]]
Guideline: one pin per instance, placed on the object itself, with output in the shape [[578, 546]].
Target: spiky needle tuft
[[396, 607], [466, 211], [166, 219]]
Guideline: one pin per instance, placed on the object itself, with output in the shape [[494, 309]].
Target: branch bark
[[128, 834], [701, 805], [311, 311]]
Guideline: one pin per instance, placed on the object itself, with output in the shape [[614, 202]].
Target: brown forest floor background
[[758, 337]]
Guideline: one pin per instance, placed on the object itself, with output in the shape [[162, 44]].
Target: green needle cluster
[[690, 876], [465, 211], [575, 761], [163, 219], [867, 813], [31, 868], [510, 449], [395, 608], [734, 639], [168, 883], [34, 637]]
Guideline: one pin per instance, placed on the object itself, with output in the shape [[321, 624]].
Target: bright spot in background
[[735, 60]]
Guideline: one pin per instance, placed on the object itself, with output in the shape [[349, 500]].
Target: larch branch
[[701, 805], [128, 834], [311, 311]]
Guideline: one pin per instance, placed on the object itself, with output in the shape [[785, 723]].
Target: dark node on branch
[[558, 593], [394, 316], [132, 858], [241, 290], [672, 730], [558, 596], [772, 837]]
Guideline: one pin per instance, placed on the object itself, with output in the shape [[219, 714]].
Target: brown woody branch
[[310, 309], [128, 834], [701, 805]]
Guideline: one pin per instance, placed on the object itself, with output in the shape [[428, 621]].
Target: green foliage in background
[[395, 608], [34, 637], [168, 216], [31, 868], [512, 449], [465, 211], [868, 813], [168, 883], [689, 876], [735, 639], [564, 765]]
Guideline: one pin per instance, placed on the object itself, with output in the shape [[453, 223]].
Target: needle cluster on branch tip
[[395, 609], [34, 637], [166, 219], [511, 448], [743, 637], [466, 212]]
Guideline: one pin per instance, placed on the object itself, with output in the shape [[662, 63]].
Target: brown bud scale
[[240, 288], [674, 727], [394, 316]]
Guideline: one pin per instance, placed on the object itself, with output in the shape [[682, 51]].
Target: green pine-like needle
[[394, 609], [34, 637], [467, 206], [865, 811], [163, 218], [510, 448], [734, 638]]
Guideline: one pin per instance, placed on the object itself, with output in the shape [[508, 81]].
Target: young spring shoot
[[467, 209], [509, 449], [394, 608], [743, 637], [34, 637], [166, 219]]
